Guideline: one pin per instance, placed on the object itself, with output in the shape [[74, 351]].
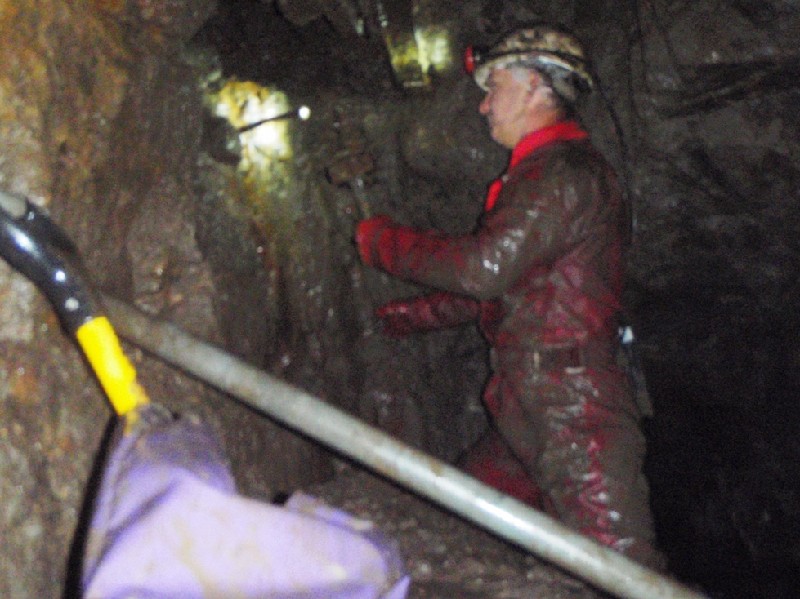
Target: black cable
[[624, 153]]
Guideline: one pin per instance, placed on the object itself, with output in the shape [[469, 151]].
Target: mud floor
[[447, 557]]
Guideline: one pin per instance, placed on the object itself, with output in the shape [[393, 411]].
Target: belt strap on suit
[[558, 358], [574, 356]]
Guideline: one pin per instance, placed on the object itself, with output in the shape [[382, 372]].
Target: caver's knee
[[613, 513], [491, 461]]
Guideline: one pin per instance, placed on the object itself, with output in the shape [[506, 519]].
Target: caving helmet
[[554, 53]]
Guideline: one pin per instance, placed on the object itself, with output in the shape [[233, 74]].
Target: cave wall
[[705, 93], [101, 123], [366, 131]]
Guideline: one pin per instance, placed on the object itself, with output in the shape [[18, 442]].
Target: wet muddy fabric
[[547, 262], [492, 462], [438, 310], [168, 523]]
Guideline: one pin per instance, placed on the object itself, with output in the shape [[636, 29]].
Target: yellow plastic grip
[[113, 369]]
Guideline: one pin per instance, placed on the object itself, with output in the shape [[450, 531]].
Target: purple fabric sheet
[[168, 523]]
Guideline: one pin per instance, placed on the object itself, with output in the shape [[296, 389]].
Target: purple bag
[[168, 523]]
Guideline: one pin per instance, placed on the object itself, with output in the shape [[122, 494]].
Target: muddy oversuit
[[543, 274]]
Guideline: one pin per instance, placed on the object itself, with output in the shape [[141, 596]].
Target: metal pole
[[421, 473]]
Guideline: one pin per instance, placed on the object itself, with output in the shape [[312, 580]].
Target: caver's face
[[507, 104]]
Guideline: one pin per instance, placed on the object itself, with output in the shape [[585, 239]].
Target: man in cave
[[542, 274]]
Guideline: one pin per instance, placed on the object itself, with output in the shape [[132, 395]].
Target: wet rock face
[[100, 124], [712, 161]]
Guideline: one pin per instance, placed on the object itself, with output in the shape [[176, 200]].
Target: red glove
[[397, 319], [368, 233], [430, 312]]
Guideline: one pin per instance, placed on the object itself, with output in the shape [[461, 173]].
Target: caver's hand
[[397, 318], [429, 312], [367, 237]]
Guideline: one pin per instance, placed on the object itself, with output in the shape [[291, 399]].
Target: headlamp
[[476, 56], [473, 57]]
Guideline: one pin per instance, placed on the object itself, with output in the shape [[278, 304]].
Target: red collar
[[562, 131]]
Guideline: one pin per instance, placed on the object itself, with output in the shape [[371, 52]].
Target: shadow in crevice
[[74, 569]]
